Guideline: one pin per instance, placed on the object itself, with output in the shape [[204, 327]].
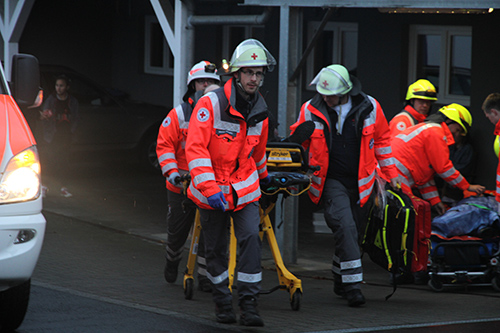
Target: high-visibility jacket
[[497, 196], [420, 152], [406, 118], [225, 152], [172, 141], [374, 139]]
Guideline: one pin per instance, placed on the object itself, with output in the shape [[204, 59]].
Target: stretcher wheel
[[435, 284], [295, 301], [188, 288], [496, 282]]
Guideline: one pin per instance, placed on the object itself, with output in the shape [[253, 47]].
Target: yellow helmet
[[458, 114], [251, 53], [333, 80], [496, 145], [421, 89]]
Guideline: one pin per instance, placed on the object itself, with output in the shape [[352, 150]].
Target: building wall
[[105, 40], [71, 33]]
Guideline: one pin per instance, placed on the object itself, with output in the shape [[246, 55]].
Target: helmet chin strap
[[342, 100]]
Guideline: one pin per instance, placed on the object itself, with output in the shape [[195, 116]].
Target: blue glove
[[175, 179], [265, 181], [217, 201]]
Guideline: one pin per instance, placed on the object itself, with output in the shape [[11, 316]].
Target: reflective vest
[[225, 152], [420, 152], [497, 132], [406, 118], [375, 148], [172, 142]]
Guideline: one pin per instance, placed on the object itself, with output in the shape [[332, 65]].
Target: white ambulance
[[22, 225]]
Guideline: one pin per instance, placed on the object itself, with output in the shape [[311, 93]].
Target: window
[[338, 44], [442, 55], [158, 58]]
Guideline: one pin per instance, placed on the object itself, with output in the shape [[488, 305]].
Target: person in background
[[350, 140], [59, 120], [491, 109], [226, 152], [419, 99], [421, 152], [172, 158]]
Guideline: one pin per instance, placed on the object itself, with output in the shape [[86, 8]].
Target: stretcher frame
[[287, 164]]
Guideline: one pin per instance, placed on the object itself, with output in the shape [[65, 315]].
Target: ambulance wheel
[[188, 288], [496, 282], [295, 301], [435, 284]]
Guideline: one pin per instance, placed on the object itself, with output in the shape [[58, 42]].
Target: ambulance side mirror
[[25, 82]]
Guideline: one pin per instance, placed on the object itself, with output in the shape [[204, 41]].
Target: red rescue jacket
[[172, 142], [406, 118], [420, 152], [225, 152], [375, 143]]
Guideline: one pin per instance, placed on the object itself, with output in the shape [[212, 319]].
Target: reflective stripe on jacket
[[172, 142], [421, 151], [223, 152], [406, 118], [375, 148]]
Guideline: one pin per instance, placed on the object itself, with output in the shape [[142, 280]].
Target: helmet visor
[[329, 82]]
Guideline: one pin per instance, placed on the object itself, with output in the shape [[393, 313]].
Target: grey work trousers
[[215, 224], [180, 218], [347, 221]]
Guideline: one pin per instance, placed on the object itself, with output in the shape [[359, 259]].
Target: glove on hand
[[265, 181], [175, 179], [217, 201]]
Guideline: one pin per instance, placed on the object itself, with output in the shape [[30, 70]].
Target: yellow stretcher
[[287, 170]]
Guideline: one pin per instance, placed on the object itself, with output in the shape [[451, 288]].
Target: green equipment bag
[[389, 236]]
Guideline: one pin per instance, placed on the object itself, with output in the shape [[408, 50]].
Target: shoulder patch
[[401, 126], [166, 122], [202, 115]]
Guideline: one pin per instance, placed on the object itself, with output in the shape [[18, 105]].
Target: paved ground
[[110, 243]]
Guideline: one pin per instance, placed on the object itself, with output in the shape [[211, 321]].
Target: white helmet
[[251, 53], [203, 70], [333, 80]]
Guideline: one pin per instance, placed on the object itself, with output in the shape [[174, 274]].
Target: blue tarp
[[468, 217]]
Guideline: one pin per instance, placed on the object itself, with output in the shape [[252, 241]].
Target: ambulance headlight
[[21, 179]]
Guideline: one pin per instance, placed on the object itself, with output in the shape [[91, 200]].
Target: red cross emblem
[[254, 56], [325, 84], [166, 122], [202, 115]]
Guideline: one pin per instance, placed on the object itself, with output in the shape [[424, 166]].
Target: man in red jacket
[[172, 158], [226, 153], [350, 140], [421, 152], [419, 98], [491, 108]]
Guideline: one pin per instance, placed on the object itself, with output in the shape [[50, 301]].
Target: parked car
[[110, 122], [22, 225]]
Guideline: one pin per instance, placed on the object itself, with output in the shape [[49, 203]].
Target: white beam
[[12, 22], [180, 39]]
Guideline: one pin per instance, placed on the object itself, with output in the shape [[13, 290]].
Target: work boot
[[249, 316], [170, 271], [204, 284], [224, 313], [355, 298]]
